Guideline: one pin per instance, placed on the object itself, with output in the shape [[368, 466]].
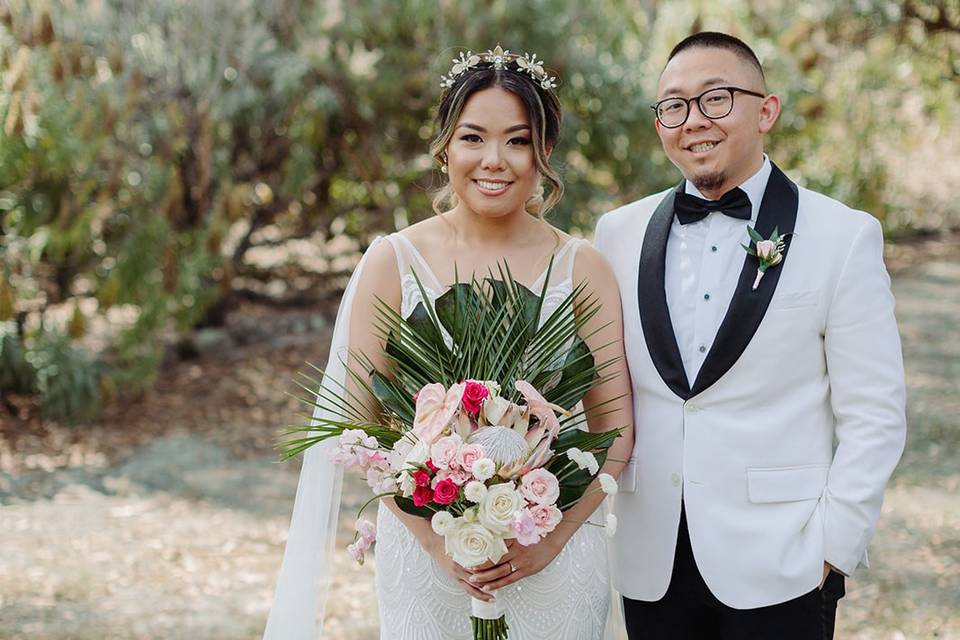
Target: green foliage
[[148, 149]]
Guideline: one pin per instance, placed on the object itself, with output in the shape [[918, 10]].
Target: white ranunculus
[[576, 456], [471, 544], [590, 462], [611, 525], [483, 469], [475, 491], [607, 483], [496, 510], [442, 522]]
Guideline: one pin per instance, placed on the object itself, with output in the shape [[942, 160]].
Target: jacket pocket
[[786, 484], [627, 482], [794, 299]]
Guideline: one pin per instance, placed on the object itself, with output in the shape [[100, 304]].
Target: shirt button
[[675, 479], [713, 248], [702, 349], [706, 296]]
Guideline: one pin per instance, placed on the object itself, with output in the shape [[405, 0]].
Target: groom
[[769, 417]]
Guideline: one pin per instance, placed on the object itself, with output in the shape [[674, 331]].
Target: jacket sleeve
[[867, 394]]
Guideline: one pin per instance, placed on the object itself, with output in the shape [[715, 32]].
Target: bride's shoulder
[[591, 265]]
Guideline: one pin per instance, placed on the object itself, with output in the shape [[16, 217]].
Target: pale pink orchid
[[436, 406]]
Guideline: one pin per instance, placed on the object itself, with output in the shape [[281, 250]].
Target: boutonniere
[[769, 252]]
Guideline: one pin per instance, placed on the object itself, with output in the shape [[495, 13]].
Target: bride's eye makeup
[[471, 137], [519, 140]]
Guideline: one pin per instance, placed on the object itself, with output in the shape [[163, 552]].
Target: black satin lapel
[[654, 313], [778, 209]]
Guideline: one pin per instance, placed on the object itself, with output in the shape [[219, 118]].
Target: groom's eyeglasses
[[714, 103]]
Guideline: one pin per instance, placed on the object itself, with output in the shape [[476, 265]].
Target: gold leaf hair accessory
[[500, 59]]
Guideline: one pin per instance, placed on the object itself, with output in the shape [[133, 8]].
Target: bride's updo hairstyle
[[523, 76]]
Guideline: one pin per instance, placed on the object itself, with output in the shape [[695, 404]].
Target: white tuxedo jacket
[[781, 449]]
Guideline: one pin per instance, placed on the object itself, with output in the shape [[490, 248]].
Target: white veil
[[300, 598]]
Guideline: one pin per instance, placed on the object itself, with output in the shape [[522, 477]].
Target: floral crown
[[526, 63]]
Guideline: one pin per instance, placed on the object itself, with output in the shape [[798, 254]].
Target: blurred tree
[[160, 161]]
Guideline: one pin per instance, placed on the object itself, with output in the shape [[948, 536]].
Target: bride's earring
[[443, 168]]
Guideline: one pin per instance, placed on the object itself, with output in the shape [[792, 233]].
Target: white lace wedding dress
[[568, 600]]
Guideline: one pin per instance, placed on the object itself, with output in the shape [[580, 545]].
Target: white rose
[[611, 525], [472, 544], [442, 522], [496, 510], [608, 484], [483, 469], [475, 491]]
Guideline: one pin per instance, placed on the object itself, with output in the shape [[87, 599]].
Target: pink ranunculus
[[546, 517], [422, 495], [525, 528], [436, 406], [474, 394], [765, 249], [445, 492], [540, 487], [467, 455], [444, 451]]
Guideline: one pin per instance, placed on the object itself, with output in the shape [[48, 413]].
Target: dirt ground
[[167, 517]]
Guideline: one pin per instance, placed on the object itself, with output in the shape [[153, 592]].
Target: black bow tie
[[734, 203]]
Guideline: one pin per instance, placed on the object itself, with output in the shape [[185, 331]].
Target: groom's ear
[[769, 112]]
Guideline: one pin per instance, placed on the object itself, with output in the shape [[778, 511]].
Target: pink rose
[[446, 491], [765, 249], [444, 451], [474, 394], [524, 527], [540, 486], [546, 517], [468, 454], [422, 495], [460, 476], [436, 407]]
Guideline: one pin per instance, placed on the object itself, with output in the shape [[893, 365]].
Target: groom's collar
[[754, 186]]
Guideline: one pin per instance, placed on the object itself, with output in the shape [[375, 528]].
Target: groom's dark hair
[[717, 40]]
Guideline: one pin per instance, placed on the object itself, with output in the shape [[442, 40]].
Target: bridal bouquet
[[476, 427]]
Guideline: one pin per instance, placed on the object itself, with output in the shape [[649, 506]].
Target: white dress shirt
[[703, 264]]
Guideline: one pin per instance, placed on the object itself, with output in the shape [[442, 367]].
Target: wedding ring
[[512, 568]]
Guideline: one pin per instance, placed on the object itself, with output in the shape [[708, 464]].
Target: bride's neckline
[[535, 286]]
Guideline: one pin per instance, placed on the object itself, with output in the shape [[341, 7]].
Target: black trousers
[[688, 611]]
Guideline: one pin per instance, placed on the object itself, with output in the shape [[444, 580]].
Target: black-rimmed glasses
[[713, 103]]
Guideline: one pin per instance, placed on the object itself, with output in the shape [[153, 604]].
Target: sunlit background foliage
[[161, 161]]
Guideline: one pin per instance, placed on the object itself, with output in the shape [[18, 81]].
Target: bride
[[498, 122]]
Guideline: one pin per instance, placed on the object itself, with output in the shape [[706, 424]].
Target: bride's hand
[[437, 551], [519, 562]]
